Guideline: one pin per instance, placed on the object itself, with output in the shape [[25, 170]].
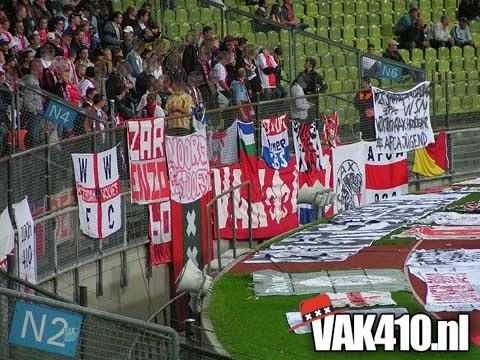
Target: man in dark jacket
[[315, 82], [112, 31], [364, 104]]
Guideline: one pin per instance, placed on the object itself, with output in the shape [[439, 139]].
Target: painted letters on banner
[[160, 232], [148, 169], [7, 235], [98, 193], [349, 176], [63, 223], [27, 254], [275, 149], [270, 217], [386, 174], [223, 146], [308, 151], [188, 167], [402, 120]]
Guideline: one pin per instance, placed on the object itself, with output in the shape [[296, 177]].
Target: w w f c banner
[[402, 120], [98, 192]]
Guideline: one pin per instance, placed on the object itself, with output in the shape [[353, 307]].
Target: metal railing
[[102, 335]]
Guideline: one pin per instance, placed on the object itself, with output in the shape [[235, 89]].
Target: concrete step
[[227, 258]]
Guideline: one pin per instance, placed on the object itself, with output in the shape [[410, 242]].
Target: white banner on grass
[[402, 120], [98, 193], [27, 254]]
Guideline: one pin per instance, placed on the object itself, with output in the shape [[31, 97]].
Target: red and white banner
[[63, 223], [386, 174], [424, 232], [223, 146], [188, 167], [160, 232], [98, 193], [270, 217], [38, 208], [7, 236], [148, 169]]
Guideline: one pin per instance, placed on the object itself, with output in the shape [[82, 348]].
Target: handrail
[[234, 220]]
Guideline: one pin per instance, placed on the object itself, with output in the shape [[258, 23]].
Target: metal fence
[[101, 336]]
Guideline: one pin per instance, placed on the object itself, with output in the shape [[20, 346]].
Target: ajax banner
[[148, 169], [98, 193], [402, 120]]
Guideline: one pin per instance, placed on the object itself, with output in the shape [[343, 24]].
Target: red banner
[[148, 168], [276, 214]]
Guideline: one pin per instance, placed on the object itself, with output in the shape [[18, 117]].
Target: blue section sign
[[60, 114], [389, 71], [45, 328]]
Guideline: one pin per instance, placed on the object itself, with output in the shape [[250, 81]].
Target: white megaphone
[[193, 280]]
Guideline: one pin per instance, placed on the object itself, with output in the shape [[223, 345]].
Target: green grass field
[[256, 328]]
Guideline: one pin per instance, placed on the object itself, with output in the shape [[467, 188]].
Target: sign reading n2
[[98, 193], [148, 169], [45, 328]]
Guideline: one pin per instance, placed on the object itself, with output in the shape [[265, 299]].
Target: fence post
[[293, 57], [13, 116], [234, 228], [250, 225], [48, 170], [10, 271]]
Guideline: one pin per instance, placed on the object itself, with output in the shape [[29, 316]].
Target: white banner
[[402, 120], [7, 235], [349, 176], [98, 193], [27, 254]]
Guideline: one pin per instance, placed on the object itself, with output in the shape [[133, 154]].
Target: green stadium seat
[[373, 19], [181, 16], [273, 37], [348, 33], [386, 19], [378, 44], [417, 55], [198, 27], [350, 112], [299, 49], [430, 65], [234, 27], [362, 32], [468, 52], [172, 30], [351, 59], [460, 75], [362, 20], [454, 105], [456, 52], [322, 48], [400, 6], [322, 21], [430, 54], [353, 73], [183, 29], [361, 43], [443, 53], [340, 110], [326, 61], [467, 102], [361, 7], [322, 32], [169, 16], [476, 101], [335, 49], [284, 36], [310, 21], [374, 7], [245, 27], [441, 106], [311, 9], [460, 89], [335, 33], [311, 48], [438, 89], [374, 31], [349, 20], [405, 54], [337, 20], [397, 16], [339, 60], [337, 8], [324, 8], [194, 15], [349, 7], [334, 87], [470, 64], [387, 30], [329, 74], [342, 73], [206, 15], [261, 38], [298, 10], [443, 66], [386, 6]]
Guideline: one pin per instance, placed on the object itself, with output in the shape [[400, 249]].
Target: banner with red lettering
[[63, 223], [386, 174], [160, 232], [188, 167], [275, 149], [98, 193], [148, 169], [276, 214]]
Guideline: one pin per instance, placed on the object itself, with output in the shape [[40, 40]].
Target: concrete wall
[[138, 299]]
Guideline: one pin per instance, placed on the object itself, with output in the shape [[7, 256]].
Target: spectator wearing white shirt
[[440, 34], [461, 33], [221, 77], [301, 105], [267, 67]]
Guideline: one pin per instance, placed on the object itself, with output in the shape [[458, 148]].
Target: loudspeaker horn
[[193, 280]]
